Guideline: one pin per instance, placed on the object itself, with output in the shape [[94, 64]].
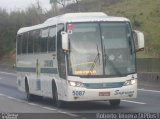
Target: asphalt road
[[14, 101]]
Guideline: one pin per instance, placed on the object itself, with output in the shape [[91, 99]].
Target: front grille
[[103, 85]]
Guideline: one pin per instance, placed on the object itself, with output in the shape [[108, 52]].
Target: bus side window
[[37, 41], [30, 43], [44, 39], [60, 53], [24, 43], [52, 39], [19, 44]]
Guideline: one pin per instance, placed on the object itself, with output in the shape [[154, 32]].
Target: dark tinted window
[[30, 42], [44, 39], [52, 39], [24, 42], [19, 44], [37, 41]]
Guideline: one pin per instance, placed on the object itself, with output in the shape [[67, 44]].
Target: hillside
[[144, 15], [9, 59]]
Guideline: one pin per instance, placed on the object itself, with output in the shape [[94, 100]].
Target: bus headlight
[[75, 83], [130, 82]]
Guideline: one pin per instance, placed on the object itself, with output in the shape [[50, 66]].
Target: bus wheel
[[114, 103], [56, 101], [28, 95]]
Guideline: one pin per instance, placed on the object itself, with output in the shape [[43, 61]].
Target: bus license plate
[[104, 93]]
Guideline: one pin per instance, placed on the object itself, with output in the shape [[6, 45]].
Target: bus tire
[[115, 103], [56, 101], [28, 95]]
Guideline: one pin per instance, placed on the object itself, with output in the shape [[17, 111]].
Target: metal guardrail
[[149, 73], [148, 65]]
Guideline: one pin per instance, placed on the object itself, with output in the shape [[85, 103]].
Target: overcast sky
[[11, 5]]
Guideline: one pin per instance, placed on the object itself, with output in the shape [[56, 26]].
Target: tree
[[61, 2], [54, 5], [77, 2], [11, 22], [35, 14]]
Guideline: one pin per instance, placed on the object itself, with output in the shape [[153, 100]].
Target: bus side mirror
[[64, 41], [139, 40]]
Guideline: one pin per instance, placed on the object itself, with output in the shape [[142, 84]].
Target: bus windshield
[[100, 49]]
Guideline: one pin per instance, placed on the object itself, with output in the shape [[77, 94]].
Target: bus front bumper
[[84, 94]]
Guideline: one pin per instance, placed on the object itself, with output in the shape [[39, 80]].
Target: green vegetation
[[144, 15], [11, 22], [8, 61], [9, 58]]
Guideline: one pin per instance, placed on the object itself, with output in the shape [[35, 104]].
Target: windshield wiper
[[106, 60], [95, 61]]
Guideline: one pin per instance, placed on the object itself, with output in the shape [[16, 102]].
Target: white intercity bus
[[79, 57]]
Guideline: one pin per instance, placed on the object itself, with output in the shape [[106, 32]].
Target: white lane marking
[[34, 104], [155, 91], [70, 114], [141, 103], [21, 101], [58, 111], [48, 108], [2, 94], [2, 78], [11, 97], [13, 74]]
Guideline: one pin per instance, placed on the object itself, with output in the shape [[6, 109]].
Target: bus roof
[[74, 17]]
